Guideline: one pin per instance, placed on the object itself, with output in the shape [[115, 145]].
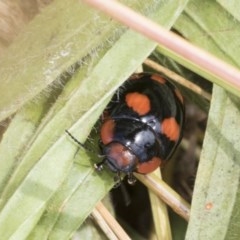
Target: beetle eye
[[147, 145], [152, 122]]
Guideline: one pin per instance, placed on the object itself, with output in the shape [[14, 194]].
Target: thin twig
[[177, 78], [167, 194], [108, 223], [160, 214], [97, 217]]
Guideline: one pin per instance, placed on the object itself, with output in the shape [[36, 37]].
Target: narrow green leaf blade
[[232, 7], [72, 203], [211, 27], [217, 185], [208, 25], [40, 184], [214, 213]]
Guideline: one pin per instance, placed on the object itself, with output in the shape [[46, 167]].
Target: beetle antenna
[[74, 139], [78, 142]]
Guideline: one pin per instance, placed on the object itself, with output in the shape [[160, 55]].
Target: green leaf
[[17, 137], [62, 35], [232, 7], [211, 33], [216, 193], [70, 206], [214, 213], [208, 25], [32, 194]]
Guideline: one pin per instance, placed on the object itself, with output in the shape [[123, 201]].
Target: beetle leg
[[131, 179], [99, 166], [117, 179]]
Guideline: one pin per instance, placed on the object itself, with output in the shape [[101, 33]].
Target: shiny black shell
[[142, 125]]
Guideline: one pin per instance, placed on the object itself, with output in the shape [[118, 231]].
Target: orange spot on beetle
[[149, 166], [107, 131], [139, 102], [170, 128], [158, 78]]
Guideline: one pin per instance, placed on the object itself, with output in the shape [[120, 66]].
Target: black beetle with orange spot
[[142, 125]]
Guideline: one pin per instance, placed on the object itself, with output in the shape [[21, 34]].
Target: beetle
[[141, 126]]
